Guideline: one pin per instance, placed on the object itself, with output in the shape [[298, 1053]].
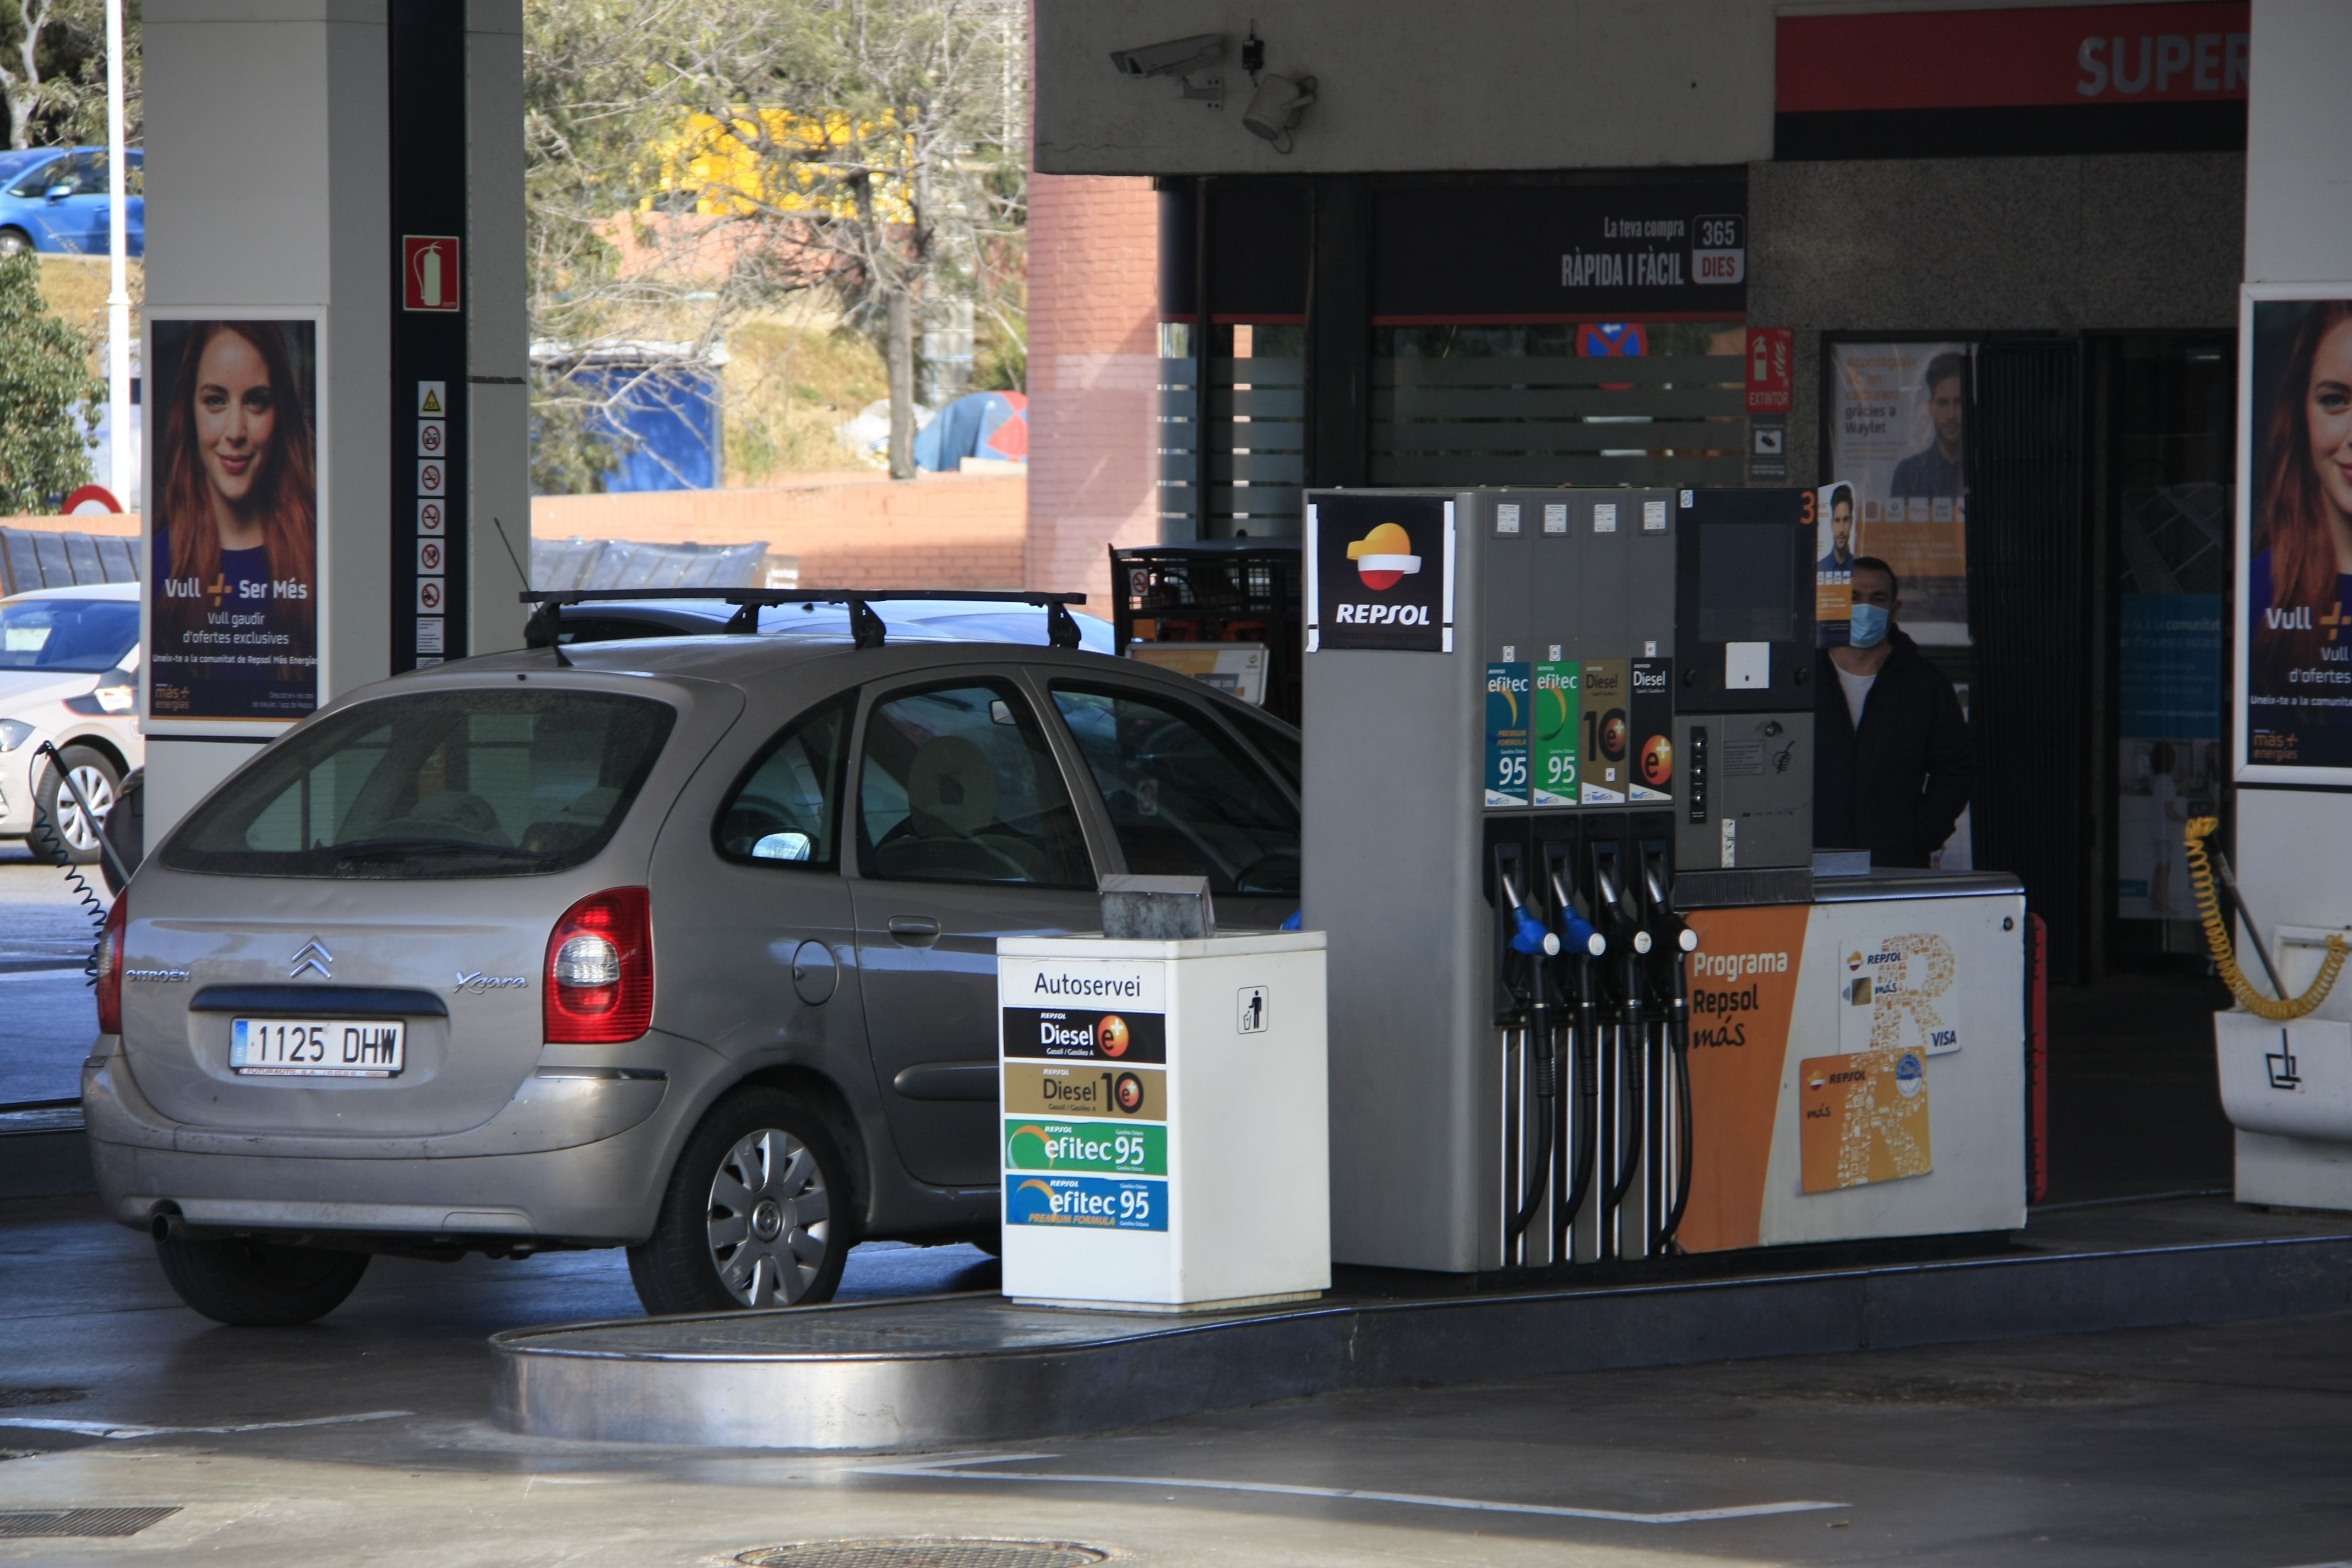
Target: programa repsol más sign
[[1380, 573]]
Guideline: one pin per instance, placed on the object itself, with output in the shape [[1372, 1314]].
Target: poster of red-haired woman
[[233, 519]]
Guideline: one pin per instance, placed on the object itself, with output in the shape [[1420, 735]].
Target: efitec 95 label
[[1081, 1035], [1127, 1150], [1097, 1203]]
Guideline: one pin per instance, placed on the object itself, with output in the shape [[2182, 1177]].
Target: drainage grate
[[19, 1398], [925, 1553], [82, 1521]]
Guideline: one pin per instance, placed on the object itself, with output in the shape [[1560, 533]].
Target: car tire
[[258, 1284], [60, 829], [13, 242], [757, 1213]]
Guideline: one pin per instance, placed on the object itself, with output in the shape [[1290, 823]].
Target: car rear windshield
[[69, 636], [479, 782]]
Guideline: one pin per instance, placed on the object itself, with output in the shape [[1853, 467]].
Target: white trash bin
[[1165, 1133]]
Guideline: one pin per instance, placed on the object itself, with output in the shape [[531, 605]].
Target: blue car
[[54, 199]]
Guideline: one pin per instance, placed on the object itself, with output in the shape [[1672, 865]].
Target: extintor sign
[[429, 272]]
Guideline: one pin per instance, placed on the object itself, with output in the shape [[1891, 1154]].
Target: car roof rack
[[865, 627]]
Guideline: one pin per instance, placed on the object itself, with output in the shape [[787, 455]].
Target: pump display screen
[[1746, 589]]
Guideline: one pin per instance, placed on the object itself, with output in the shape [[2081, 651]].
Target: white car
[[69, 673]]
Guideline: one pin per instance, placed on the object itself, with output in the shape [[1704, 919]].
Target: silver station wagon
[[685, 946]]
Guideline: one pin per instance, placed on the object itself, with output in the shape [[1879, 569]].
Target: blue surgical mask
[[1868, 627]]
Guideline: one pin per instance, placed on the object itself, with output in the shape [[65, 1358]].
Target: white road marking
[[122, 1431], [957, 1467]]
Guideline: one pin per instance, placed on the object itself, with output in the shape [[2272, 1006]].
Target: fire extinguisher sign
[[429, 272]]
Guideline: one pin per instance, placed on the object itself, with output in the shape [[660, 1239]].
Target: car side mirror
[[59, 192], [782, 846]]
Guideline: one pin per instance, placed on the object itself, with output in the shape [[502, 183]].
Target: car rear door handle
[[915, 931]]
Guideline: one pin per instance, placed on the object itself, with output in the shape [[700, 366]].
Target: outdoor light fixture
[[1273, 109]]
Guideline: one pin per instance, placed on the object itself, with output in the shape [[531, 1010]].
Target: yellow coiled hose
[[2217, 936]]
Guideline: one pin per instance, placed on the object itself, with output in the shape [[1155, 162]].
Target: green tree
[[48, 399]]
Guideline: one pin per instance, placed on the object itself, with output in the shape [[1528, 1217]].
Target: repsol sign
[[1380, 571]]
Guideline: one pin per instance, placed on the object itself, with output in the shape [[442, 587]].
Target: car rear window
[[455, 782]]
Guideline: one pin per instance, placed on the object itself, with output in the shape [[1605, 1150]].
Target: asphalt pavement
[[47, 1017], [367, 1437]]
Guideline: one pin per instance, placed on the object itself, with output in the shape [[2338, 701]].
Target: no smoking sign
[[429, 595]]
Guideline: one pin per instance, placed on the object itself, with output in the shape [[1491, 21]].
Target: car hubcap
[[770, 1219], [77, 827]]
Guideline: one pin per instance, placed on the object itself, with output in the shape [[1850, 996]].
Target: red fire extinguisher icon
[[429, 272]]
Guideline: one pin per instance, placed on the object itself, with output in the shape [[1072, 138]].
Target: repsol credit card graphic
[[1094, 1203], [1070, 1034]]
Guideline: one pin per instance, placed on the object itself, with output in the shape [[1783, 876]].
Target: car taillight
[[600, 970], [109, 968]]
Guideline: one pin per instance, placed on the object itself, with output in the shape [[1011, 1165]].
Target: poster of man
[[2294, 533], [233, 546], [1895, 417], [1833, 573]]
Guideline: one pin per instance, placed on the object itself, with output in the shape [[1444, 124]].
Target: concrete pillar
[[269, 180]]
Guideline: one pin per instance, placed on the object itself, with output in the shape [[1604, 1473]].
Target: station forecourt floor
[[368, 1437]]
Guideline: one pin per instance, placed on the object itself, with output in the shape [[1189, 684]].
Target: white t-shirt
[[1857, 693]]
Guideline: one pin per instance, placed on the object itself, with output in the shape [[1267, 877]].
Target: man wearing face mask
[[1890, 748]]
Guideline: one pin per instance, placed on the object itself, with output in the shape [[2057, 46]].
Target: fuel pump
[[1507, 680]]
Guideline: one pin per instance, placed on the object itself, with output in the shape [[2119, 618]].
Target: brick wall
[[942, 531], [1094, 293]]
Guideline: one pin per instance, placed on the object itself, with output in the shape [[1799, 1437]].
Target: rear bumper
[[571, 1158]]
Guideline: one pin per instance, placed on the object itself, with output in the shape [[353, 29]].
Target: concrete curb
[[884, 1379]]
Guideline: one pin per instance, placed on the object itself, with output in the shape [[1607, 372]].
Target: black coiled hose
[[52, 844]]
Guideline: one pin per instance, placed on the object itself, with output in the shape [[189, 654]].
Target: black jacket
[[1895, 788]]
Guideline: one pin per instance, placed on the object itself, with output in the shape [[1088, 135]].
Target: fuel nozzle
[[1579, 936], [1668, 930], [1530, 935]]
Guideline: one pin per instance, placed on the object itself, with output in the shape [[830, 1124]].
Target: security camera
[[1273, 109], [1174, 57]]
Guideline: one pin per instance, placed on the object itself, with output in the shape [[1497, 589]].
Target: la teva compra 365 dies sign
[[1380, 573]]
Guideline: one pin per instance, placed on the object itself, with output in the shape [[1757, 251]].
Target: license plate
[[318, 1047]]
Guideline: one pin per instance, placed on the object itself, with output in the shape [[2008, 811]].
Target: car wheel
[[756, 1215], [258, 1284], [13, 242], [99, 782]]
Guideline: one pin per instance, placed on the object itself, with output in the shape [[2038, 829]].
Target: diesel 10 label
[[1086, 1090], [1107, 1146], [1102, 1203]]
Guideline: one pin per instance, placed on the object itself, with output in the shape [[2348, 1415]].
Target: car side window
[[38, 180], [957, 784], [785, 809], [1184, 800]]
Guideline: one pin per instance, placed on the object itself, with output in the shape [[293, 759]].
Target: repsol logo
[[1734, 965], [1382, 614]]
